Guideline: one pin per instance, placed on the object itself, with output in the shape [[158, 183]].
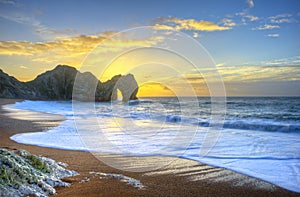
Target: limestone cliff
[[12, 88], [58, 84], [128, 87]]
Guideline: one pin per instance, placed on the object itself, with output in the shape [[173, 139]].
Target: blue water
[[280, 114], [260, 136]]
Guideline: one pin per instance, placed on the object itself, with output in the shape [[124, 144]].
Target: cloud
[[23, 67], [188, 24], [20, 16], [163, 27], [18, 13], [40, 29], [220, 64], [282, 62], [251, 17], [266, 27], [284, 69], [254, 73], [228, 22], [282, 18], [273, 35], [153, 89], [8, 2], [72, 49], [192, 77], [246, 17], [250, 3]]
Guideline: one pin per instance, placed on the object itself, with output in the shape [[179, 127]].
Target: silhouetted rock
[[12, 88], [55, 84], [65, 83], [128, 87]]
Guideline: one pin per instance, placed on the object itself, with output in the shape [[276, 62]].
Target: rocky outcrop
[[128, 87], [66, 83], [55, 84], [12, 88], [24, 174]]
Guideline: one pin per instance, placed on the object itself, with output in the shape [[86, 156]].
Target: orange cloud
[[68, 50], [188, 24], [73, 45]]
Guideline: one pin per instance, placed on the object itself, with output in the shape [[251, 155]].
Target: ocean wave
[[173, 118], [271, 156], [256, 126]]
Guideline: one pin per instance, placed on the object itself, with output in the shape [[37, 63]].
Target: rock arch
[[128, 87]]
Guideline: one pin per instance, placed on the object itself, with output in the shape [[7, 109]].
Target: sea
[[256, 136]]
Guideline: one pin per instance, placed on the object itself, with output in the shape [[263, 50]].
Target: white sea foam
[[270, 156]]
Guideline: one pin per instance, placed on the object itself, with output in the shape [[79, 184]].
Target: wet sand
[[180, 178]]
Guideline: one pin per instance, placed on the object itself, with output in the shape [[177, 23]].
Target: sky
[[254, 44]]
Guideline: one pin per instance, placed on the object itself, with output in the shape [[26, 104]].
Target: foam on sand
[[129, 180], [270, 156]]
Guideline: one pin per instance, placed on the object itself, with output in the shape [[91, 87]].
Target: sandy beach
[[181, 178]]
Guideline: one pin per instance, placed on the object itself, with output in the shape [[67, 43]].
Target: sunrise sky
[[255, 44]]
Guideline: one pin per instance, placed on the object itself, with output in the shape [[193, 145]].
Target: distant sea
[[260, 136]]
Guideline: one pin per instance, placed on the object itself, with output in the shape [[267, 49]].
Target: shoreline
[[182, 172]]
